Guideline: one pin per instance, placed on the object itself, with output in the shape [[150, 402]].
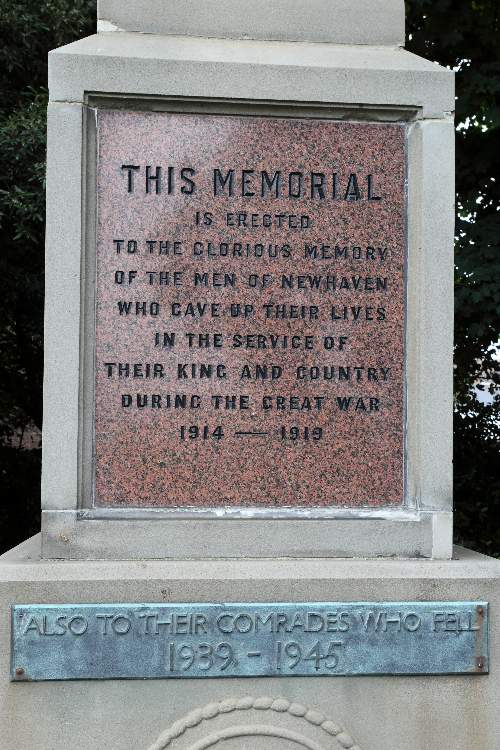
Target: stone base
[[319, 713]]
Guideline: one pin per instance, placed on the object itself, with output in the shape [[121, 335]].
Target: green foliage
[[20, 506], [462, 34], [28, 30], [477, 481]]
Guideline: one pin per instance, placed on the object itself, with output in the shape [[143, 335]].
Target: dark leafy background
[[461, 34]]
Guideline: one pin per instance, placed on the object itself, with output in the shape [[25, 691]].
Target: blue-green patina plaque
[[158, 641]]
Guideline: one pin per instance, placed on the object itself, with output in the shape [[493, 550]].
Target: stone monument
[[247, 481]]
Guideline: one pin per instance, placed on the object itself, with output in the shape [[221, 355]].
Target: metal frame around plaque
[[159, 641]]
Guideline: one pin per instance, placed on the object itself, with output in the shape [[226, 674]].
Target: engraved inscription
[[210, 640], [250, 311]]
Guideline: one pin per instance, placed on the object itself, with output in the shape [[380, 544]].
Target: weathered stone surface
[[336, 21], [249, 76], [352, 75], [460, 713], [251, 271]]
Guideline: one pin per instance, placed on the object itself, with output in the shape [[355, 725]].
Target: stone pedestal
[[150, 122], [367, 83], [368, 713]]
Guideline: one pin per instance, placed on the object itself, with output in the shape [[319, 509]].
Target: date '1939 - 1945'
[[288, 655]]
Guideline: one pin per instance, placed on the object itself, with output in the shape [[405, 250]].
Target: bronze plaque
[[250, 312]]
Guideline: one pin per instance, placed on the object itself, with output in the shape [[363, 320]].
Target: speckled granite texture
[[353, 298]]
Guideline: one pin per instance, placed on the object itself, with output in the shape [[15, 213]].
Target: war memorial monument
[[247, 450]]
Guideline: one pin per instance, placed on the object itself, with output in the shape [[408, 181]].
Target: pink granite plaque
[[250, 312]]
